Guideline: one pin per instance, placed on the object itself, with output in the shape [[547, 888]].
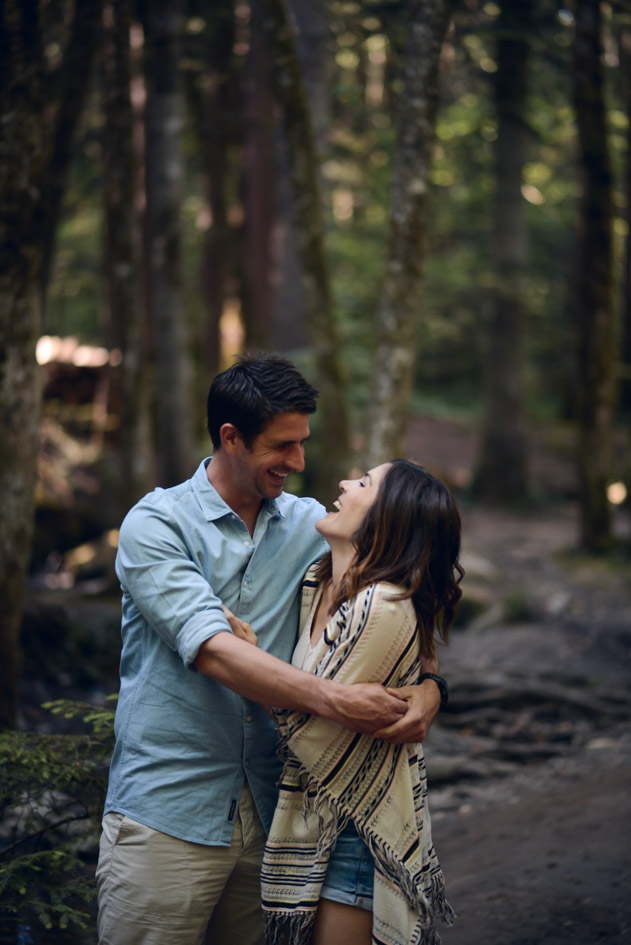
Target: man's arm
[[259, 676]]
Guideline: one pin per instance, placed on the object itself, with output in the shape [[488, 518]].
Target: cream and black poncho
[[332, 775]]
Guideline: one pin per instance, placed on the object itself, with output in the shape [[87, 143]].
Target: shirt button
[[249, 718]]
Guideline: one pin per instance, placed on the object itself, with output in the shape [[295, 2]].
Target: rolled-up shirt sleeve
[[161, 580]]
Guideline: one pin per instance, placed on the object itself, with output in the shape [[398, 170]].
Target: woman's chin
[[323, 524]]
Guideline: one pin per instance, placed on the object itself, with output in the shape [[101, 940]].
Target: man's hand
[[423, 705], [366, 707], [241, 628]]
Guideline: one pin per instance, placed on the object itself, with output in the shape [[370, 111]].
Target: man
[[193, 778]]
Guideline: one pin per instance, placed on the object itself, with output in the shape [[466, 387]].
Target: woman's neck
[[342, 554]]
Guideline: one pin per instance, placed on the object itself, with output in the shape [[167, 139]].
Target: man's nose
[[296, 458]]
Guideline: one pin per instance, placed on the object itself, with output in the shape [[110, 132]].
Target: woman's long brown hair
[[410, 536]]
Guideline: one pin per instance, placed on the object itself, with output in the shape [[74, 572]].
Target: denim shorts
[[351, 873]]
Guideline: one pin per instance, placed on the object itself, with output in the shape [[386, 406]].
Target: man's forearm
[[259, 676]]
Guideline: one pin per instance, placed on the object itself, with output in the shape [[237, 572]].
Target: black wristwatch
[[442, 685]]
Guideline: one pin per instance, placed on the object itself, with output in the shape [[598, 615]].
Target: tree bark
[[594, 317], [210, 83], [625, 70], [126, 315], [502, 474], [258, 188], [289, 324], [164, 115], [74, 86], [399, 306], [21, 165], [290, 92]]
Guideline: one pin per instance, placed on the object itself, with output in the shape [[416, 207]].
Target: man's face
[[275, 453]]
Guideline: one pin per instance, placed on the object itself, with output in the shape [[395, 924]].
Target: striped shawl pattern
[[332, 775]]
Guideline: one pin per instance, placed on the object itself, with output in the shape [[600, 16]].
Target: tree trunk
[[164, 116], [290, 92], [313, 45], [259, 188], [210, 83], [502, 470], [74, 86], [625, 70], [398, 311], [594, 317], [289, 324], [21, 163], [126, 315]]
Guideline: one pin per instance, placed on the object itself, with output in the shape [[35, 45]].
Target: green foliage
[[46, 885], [51, 799]]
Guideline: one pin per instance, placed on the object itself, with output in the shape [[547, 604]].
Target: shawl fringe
[[289, 928]]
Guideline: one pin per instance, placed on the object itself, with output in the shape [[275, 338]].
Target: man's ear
[[229, 436]]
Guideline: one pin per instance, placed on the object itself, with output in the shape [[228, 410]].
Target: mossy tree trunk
[[501, 474], [400, 306], [593, 308], [22, 146], [624, 46], [291, 94]]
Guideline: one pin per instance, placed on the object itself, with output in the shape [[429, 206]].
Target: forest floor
[[530, 765]]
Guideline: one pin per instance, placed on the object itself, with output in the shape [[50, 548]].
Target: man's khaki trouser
[[157, 890]]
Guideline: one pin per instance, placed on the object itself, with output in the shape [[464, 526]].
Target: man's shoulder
[[159, 504], [300, 507]]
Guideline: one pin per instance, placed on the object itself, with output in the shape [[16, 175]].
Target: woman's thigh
[[339, 924]]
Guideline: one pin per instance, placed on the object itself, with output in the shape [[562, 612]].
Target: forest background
[[424, 205]]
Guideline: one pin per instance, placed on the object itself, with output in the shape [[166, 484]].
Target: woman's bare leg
[[339, 924]]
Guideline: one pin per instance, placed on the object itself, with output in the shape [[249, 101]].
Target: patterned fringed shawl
[[332, 775]]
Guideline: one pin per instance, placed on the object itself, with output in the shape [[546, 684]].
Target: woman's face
[[356, 497]]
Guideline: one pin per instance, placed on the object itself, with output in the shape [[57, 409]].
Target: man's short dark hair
[[253, 391]]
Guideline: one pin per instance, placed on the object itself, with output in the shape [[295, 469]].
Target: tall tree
[[289, 328], [85, 31], [291, 94], [398, 312], [594, 316], [211, 79], [127, 329], [258, 187], [624, 41], [164, 116], [502, 467], [22, 148]]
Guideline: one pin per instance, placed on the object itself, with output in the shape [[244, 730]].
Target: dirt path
[[543, 863], [531, 800]]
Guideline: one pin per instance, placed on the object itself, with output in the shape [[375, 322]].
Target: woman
[[369, 610]]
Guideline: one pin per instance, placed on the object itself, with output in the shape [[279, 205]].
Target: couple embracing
[[253, 766]]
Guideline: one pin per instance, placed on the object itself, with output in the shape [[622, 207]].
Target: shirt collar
[[215, 507]]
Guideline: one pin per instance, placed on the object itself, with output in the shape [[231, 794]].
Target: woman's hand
[[241, 628], [423, 705]]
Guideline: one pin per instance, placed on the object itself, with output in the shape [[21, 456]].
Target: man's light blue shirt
[[185, 744]]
